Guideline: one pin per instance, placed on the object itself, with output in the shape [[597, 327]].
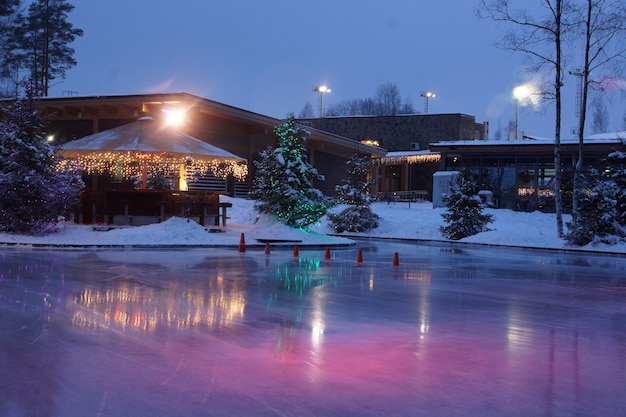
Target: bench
[[407, 196]]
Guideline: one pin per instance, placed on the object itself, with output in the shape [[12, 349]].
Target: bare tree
[[599, 115], [603, 24], [388, 99], [306, 112], [387, 102], [541, 39]]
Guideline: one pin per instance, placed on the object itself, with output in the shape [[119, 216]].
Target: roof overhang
[[139, 105]]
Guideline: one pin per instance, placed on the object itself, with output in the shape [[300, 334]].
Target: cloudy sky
[[266, 56]]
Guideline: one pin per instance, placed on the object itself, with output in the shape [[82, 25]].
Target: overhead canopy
[[150, 142]]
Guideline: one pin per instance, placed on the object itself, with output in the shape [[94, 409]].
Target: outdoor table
[[223, 206]]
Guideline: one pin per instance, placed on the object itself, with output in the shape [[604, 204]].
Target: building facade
[[521, 173], [404, 132], [238, 131]]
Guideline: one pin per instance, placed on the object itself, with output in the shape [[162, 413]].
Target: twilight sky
[[266, 56]]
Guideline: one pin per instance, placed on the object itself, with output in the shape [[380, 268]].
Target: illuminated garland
[[130, 164], [408, 159]]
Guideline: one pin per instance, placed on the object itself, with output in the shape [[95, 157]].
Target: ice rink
[[450, 331]]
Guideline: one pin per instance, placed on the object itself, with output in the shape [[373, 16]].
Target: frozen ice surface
[[448, 332]]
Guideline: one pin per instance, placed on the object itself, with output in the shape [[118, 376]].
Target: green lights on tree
[[283, 184]]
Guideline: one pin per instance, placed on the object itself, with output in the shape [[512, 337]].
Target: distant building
[[520, 173], [404, 132], [409, 165]]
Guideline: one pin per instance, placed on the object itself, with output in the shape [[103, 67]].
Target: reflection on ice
[[446, 333], [129, 305]]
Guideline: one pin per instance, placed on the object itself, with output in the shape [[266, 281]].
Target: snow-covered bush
[[34, 192], [283, 184], [354, 219], [464, 216], [355, 191]]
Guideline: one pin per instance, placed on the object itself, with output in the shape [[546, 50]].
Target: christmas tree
[[464, 216], [34, 193], [283, 184], [601, 215], [355, 191]]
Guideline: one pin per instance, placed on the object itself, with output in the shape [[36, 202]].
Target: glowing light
[[408, 159], [427, 96], [521, 93], [130, 164], [174, 117], [182, 178], [526, 94], [322, 89], [370, 142]]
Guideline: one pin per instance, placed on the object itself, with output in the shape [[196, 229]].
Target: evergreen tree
[[34, 193], [283, 184], [597, 212], [464, 216], [8, 17], [617, 173], [40, 41], [355, 191]]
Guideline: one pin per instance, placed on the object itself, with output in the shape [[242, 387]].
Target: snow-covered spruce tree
[[597, 212], [34, 193], [283, 184], [464, 216], [617, 171], [355, 192]]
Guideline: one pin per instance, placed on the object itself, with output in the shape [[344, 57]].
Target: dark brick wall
[[396, 133]]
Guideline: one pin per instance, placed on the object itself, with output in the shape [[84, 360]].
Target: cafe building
[[240, 133]]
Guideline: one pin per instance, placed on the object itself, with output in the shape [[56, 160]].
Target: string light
[[408, 159], [130, 164]]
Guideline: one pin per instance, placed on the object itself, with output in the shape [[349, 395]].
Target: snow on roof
[[603, 138], [409, 153]]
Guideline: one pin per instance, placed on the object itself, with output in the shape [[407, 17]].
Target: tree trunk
[[558, 201], [583, 113]]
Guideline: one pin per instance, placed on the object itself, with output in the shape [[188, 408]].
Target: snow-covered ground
[[397, 220]]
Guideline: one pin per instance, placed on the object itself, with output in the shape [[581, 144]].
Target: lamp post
[[520, 95], [322, 89], [427, 96]]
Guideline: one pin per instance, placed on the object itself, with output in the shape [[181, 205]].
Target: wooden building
[[520, 173], [238, 131]]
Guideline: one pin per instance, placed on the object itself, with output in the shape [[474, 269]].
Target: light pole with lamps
[[427, 96], [322, 89], [521, 94]]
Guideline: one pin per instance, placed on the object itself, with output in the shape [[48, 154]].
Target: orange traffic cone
[[242, 243], [327, 256], [359, 256], [396, 262], [267, 248], [295, 250]]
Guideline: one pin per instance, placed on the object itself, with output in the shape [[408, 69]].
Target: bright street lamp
[[521, 94], [322, 89], [427, 96]]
